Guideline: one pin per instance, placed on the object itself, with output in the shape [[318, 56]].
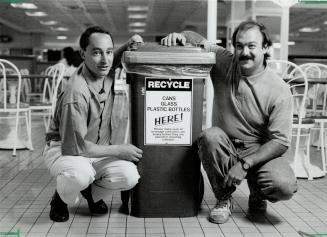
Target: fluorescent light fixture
[[61, 37], [137, 24], [285, 3], [24, 5], [59, 28], [137, 30], [137, 16], [295, 34], [37, 14], [48, 23], [137, 8], [278, 45], [309, 29]]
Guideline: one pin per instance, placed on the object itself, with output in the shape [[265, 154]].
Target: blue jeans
[[274, 180]]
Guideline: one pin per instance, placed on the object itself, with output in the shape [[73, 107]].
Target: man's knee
[[210, 136], [76, 179], [280, 188], [276, 180], [130, 175], [123, 176], [285, 188]]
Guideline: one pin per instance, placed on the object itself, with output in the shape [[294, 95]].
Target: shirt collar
[[94, 85], [255, 77]]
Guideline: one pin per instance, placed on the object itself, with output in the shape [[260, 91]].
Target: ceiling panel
[[163, 16]]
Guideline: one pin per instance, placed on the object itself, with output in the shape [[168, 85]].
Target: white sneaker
[[221, 212]]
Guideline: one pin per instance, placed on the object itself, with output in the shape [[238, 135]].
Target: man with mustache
[[252, 122], [79, 152]]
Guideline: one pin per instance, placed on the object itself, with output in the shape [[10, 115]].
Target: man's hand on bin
[[135, 41], [173, 39], [129, 152]]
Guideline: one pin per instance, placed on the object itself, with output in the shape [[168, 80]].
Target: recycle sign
[[168, 111]]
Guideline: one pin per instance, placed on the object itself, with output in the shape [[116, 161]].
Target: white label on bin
[[168, 111]]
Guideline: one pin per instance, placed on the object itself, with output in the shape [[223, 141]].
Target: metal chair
[[26, 85], [44, 107], [318, 72], [11, 107], [317, 92], [301, 127]]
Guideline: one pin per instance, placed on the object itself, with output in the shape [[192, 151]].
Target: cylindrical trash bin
[[166, 118]]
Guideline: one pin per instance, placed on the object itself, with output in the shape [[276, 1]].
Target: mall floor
[[26, 189]]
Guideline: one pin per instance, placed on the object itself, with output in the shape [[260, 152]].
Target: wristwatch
[[245, 165]]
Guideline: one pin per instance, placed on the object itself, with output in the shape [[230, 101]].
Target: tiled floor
[[26, 188]]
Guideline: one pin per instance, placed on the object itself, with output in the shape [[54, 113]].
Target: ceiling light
[[137, 24], [137, 16], [36, 14], [285, 3], [137, 8], [294, 34], [309, 29], [61, 37], [137, 30], [278, 45], [59, 28], [325, 22], [48, 23], [24, 5]]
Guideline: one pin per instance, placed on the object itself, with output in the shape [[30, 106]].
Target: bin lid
[[154, 53]]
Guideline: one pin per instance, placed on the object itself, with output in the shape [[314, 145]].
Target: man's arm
[[191, 37], [280, 126], [182, 38], [73, 129], [266, 153], [118, 53], [123, 152]]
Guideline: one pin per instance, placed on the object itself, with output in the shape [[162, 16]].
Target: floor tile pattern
[[26, 188]]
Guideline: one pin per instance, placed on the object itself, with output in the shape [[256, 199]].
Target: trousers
[[75, 173], [273, 181]]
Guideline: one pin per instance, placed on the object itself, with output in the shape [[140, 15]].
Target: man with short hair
[[79, 152], [252, 122]]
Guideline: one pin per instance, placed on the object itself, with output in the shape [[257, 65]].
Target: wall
[[20, 40]]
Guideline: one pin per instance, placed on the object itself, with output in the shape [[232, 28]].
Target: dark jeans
[[274, 180]]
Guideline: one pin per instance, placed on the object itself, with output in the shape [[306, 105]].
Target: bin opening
[[152, 59]]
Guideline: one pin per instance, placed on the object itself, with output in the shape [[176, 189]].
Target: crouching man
[[78, 150]]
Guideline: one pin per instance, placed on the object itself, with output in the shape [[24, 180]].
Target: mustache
[[245, 57]]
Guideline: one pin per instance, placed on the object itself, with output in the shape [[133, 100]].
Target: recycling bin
[[166, 95]]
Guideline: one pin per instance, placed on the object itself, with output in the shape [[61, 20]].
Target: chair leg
[[306, 160], [323, 147], [29, 129], [45, 119], [49, 120], [16, 134]]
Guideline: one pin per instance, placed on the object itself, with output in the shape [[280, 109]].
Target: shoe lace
[[223, 204]]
